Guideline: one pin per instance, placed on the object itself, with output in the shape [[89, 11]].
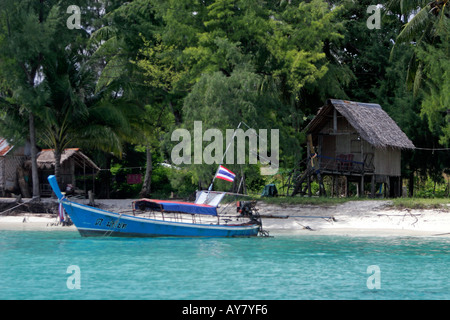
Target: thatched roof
[[46, 159], [371, 122]]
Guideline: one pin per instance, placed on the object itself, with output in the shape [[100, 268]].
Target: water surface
[[34, 265]]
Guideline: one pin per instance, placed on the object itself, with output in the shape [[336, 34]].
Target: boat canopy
[[211, 198], [175, 206]]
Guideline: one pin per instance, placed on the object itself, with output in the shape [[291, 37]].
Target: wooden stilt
[[346, 187], [372, 187], [308, 181]]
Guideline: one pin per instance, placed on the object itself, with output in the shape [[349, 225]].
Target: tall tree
[[73, 115], [27, 31], [48, 78], [428, 33], [283, 43], [436, 83], [129, 27]]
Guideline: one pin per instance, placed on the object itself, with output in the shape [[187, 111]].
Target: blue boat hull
[[96, 222]]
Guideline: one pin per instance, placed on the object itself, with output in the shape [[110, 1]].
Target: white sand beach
[[358, 218], [369, 217]]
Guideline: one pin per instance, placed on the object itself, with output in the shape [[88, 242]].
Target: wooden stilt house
[[358, 141], [73, 163]]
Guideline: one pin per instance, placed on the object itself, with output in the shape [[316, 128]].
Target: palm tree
[[419, 30], [426, 15], [75, 115]]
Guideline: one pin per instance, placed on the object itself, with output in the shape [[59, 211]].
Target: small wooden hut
[[358, 141], [73, 163], [11, 161]]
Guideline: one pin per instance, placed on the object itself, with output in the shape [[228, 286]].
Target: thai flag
[[225, 174]]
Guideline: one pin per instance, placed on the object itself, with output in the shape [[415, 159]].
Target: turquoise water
[[34, 265]]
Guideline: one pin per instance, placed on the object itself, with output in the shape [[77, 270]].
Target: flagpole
[[223, 157], [232, 141], [212, 182]]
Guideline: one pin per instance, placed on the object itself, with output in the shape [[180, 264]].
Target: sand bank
[[370, 217]]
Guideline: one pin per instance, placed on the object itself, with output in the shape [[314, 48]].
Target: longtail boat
[[164, 218]]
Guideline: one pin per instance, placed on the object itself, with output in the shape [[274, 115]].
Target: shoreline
[[352, 218]]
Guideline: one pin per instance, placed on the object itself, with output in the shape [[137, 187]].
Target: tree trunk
[[22, 183], [57, 154], [34, 167], [57, 172], [146, 186]]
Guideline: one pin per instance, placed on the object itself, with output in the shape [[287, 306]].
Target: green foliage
[[182, 182], [139, 69], [157, 66], [421, 203], [436, 89], [428, 73], [317, 201]]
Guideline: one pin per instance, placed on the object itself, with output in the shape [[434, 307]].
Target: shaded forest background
[[135, 71]]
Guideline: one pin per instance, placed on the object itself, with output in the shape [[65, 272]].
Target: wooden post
[[308, 182], [372, 187], [319, 151], [362, 169], [322, 191], [72, 172], [333, 186], [388, 187], [334, 120], [346, 187], [361, 193], [91, 198]]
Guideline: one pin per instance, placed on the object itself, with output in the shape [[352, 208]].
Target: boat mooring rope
[[16, 206]]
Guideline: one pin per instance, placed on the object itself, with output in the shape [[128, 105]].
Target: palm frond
[[104, 33], [112, 71], [108, 48], [100, 137], [416, 26], [406, 6], [418, 79], [411, 72]]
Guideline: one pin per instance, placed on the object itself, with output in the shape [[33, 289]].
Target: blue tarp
[[176, 206]]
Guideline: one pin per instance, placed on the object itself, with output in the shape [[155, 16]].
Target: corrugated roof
[[371, 122]]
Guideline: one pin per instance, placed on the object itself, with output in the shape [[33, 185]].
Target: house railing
[[344, 163]]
